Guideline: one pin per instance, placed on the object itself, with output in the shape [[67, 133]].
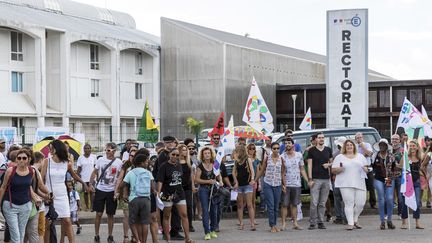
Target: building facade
[[73, 65]]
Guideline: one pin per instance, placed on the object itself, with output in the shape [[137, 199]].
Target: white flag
[[306, 124], [409, 115], [428, 123], [256, 114]]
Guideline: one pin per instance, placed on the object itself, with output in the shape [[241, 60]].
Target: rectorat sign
[[347, 68]]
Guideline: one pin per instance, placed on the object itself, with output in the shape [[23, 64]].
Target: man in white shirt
[[86, 163], [107, 169], [366, 150]]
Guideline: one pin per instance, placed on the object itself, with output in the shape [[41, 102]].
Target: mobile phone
[[340, 164]]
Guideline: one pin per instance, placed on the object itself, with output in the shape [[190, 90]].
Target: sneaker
[[207, 237], [213, 235], [382, 226], [428, 204], [311, 227], [96, 239], [329, 217], [110, 239], [321, 226], [79, 230]]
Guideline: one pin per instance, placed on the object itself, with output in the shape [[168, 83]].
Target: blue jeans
[[272, 196], [16, 218], [397, 181], [385, 199], [417, 190], [204, 196]]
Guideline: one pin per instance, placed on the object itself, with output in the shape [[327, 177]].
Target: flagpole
[[409, 224]]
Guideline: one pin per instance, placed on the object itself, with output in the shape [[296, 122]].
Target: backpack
[[3, 168], [142, 183]]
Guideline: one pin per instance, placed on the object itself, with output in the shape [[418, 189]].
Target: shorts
[[41, 223], [152, 203], [104, 198], [245, 189], [74, 216], [291, 196], [180, 199], [171, 203], [139, 210], [122, 205]]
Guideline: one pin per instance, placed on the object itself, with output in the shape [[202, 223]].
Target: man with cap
[[170, 143], [337, 196]]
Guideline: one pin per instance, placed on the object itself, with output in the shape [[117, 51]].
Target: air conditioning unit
[[140, 71]]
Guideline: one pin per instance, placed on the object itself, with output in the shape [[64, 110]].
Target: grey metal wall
[[192, 83]]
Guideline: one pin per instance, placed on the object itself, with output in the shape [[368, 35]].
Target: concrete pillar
[[40, 77], [65, 46], [115, 94]]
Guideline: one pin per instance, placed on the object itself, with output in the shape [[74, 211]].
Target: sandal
[[253, 228], [189, 241], [350, 227], [404, 226], [126, 239], [357, 226], [297, 227], [241, 227], [419, 227]]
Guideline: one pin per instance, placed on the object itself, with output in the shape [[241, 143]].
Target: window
[[373, 99], [94, 57], [416, 97], [138, 63], [17, 122], [16, 46], [428, 96], [398, 97], [138, 91], [17, 82], [384, 98], [94, 88]]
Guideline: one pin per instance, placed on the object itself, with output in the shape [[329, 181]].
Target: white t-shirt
[[361, 151], [87, 166], [292, 169], [353, 176], [125, 156], [109, 179], [73, 198]]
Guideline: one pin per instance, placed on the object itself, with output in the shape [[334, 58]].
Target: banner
[[257, 114], [347, 68], [43, 132], [219, 127], [307, 121], [9, 134], [407, 186]]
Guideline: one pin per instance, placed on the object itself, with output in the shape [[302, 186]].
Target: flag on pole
[[219, 126], [228, 144], [427, 123], [306, 124], [409, 115], [148, 131], [407, 186], [256, 114]]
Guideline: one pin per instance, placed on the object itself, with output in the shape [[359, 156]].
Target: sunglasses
[[109, 150], [21, 158], [191, 148], [251, 148], [275, 148], [175, 155], [216, 138]]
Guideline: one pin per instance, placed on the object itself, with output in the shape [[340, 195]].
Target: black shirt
[[318, 159], [171, 177], [206, 175], [186, 177], [162, 159], [223, 170], [415, 170], [243, 173]]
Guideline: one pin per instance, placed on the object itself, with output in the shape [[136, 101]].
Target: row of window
[[17, 86], [17, 53]]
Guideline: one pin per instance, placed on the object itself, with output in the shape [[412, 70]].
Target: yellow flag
[[149, 121]]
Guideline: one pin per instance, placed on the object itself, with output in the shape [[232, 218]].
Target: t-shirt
[[2, 158], [130, 179], [163, 157], [354, 175], [383, 168], [186, 177], [171, 178], [73, 198], [223, 170], [109, 179], [125, 156], [318, 159], [361, 151], [292, 169], [297, 147], [87, 166]]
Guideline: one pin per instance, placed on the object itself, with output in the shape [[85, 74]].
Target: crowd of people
[[167, 194]]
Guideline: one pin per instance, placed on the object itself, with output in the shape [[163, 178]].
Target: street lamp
[[294, 97]]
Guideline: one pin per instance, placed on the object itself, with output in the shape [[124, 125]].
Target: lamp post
[[294, 97]]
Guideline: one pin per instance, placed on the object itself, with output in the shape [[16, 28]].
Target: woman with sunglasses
[[273, 171], [170, 190], [243, 175], [187, 181], [18, 195], [252, 154], [206, 179], [54, 171], [122, 204]]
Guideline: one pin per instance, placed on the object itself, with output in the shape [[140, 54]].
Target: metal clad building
[[207, 71]]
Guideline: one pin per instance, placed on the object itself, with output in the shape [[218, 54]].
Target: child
[[74, 202]]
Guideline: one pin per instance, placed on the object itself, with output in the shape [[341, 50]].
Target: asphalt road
[[334, 233]]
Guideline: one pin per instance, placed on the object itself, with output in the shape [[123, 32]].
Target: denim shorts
[[245, 189]]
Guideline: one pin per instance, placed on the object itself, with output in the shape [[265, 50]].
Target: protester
[[415, 157], [74, 203], [337, 196], [427, 167], [350, 168], [85, 165], [187, 181], [215, 141], [139, 181], [196, 210], [294, 170], [252, 154], [16, 195], [125, 148], [207, 179], [243, 174], [241, 141], [273, 171], [365, 149], [289, 134], [397, 152], [54, 172], [106, 171], [170, 184]]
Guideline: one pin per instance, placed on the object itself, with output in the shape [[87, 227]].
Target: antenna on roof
[[246, 35]]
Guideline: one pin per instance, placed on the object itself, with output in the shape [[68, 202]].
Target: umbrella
[[248, 132], [75, 147]]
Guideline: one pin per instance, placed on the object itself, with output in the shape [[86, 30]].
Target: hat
[[2, 140], [382, 140], [339, 141], [168, 139]]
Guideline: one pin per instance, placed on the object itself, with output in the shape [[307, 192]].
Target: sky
[[400, 31]]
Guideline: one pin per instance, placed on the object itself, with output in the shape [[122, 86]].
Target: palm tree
[[195, 127]]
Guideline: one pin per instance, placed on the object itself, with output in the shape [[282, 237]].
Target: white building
[[69, 64]]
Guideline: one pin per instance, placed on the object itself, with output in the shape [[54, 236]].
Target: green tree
[[195, 127]]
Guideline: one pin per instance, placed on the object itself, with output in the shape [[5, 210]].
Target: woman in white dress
[[54, 174]]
